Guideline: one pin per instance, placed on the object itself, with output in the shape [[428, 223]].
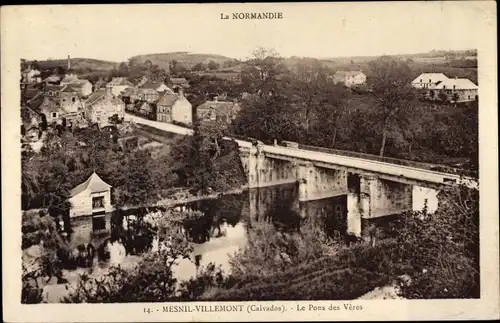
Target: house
[[70, 99], [92, 198], [455, 89], [151, 92], [174, 107], [102, 105], [51, 109], [118, 85], [222, 111], [428, 80], [349, 78], [84, 87], [179, 82]]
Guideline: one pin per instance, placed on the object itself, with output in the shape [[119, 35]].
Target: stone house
[[221, 111], [349, 78], [428, 80], [92, 199], [174, 107], [101, 106], [71, 103], [118, 85], [51, 109]]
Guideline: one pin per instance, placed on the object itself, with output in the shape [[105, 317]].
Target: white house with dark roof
[[455, 89], [428, 80], [92, 197]]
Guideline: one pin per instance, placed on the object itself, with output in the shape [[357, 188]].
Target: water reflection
[[222, 226]]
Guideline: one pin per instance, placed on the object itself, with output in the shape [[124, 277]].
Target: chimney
[[216, 98], [69, 63], [181, 92]]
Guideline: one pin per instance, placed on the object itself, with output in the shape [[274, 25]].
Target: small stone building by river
[[91, 207]]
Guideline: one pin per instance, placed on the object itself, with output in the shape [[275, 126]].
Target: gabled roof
[[94, 183], [460, 84], [434, 77], [116, 81], [168, 99], [99, 95]]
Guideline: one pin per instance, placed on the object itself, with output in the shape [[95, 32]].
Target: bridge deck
[[417, 173]]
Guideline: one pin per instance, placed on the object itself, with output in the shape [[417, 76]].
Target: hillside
[[79, 64], [187, 59]]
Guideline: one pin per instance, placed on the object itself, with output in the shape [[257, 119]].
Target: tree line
[[301, 103]]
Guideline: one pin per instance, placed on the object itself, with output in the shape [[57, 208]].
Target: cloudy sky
[[317, 30]]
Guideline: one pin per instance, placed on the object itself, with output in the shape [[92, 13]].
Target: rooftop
[[94, 183], [456, 83], [168, 99]]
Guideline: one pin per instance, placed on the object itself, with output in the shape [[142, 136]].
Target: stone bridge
[[374, 189]]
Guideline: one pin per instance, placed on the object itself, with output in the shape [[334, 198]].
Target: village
[[122, 122]]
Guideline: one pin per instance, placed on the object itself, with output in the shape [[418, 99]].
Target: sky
[[117, 32]]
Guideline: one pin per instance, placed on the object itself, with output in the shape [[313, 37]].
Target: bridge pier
[[370, 197]]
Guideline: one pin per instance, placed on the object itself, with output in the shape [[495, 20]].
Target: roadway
[[419, 174]]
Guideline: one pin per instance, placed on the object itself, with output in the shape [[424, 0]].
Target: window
[[56, 93], [454, 86], [444, 87], [73, 99], [98, 202], [54, 114], [98, 222], [50, 93], [420, 80], [212, 116], [430, 81], [64, 100]]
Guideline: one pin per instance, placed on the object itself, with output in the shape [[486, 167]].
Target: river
[[225, 226]]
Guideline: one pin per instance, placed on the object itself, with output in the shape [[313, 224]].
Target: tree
[[198, 67], [391, 85], [212, 65], [123, 69], [259, 73], [441, 250]]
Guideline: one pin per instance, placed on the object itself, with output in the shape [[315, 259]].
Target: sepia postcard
[[250, 162]]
